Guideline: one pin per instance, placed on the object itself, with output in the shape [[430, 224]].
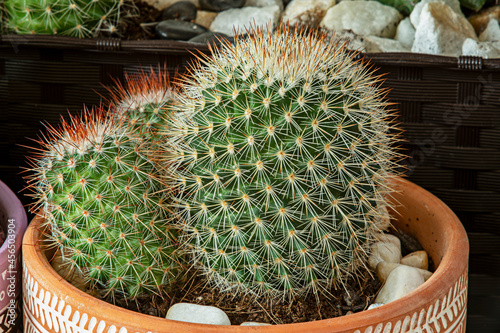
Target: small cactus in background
[[284, 148], [144, 99], [78, 18], [99, 189]]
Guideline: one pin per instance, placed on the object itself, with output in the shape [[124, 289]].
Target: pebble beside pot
[[440, 304]]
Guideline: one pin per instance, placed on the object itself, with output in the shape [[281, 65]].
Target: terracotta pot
[[14, 221], [439, 305]]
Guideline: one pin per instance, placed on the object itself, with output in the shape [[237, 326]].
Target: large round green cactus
[[284, 149], [79, 18], [101, 194]]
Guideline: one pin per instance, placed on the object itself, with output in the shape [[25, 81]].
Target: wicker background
[[450, 111]]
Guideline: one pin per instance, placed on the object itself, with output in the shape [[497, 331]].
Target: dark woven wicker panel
[[449, 111]]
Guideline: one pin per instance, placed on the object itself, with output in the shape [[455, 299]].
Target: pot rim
[[450, 269]]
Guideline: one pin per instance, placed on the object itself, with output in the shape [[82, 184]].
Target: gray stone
[[264, 3], [364, 18], [178, 30], [382, 218], [182, 10], [306, 12], [400, 282], [251, 323], [194, 313], [162, 4], [246, 17], [385, 268], [210, 38], [405, 33], [418, 259], [441, 31], [383, 251], [376, 44], [220, 5], [491, 33], [486, 50], [415, 14]]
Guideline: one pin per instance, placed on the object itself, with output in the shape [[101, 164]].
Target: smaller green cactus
[[99, 188], [78, 18], [144, 99]]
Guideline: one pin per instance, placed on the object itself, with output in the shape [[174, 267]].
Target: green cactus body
[[284, 152], [101, 195], [144, 99], [79, 18]]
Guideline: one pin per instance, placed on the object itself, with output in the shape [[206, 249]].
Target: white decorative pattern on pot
[[42, 309]]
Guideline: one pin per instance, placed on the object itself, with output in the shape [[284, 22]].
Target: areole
[[439, 305]]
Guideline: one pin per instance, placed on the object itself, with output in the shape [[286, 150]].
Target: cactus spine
[[284, 149], [99, 189], [78, 18]]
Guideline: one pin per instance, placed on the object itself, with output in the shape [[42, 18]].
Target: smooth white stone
[[383, 251], [417, 10], [388, 238], [441, 31], [374, 306], [264, 3], [306, 11], [240, 18], [376, 44], [417, 259], [162, 4], [400, 282], [365, 18], [491, 33], [486, 50], [251, 323], [194, 313], [405, 33], [385, 268]]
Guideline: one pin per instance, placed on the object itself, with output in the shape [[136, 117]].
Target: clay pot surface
[[439, 305], [14, 221]]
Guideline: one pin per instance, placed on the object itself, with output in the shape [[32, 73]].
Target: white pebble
[[374, 306], [383, 251], [366, 18], [417, 10], [240, 19], [400, 282], [441, 31], [385, 268], [405, 33], [491, 33], [194, 313], [388, 238], [417, 259], [306, 11], [486, 50], [251, 323]]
